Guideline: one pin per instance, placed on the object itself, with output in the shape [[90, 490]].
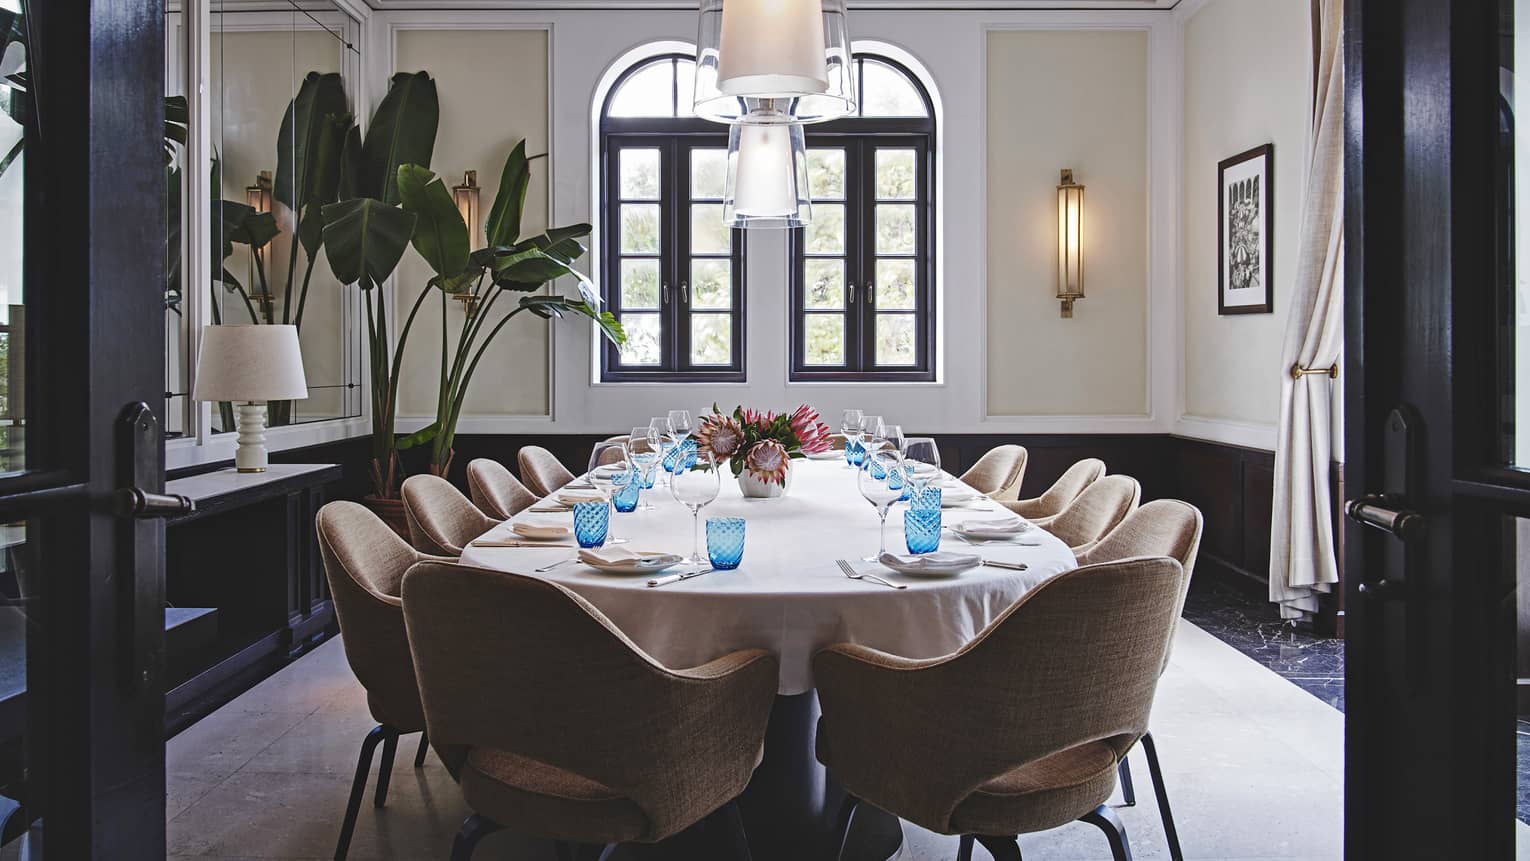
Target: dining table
[[791, 596]]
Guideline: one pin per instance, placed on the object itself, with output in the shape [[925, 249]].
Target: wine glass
[[850, 425], [922, 461], [605, 453], [695, 488], [896, 439], [879, 472], [660, 426], [681, 424], [643, 453], [627, 485], [874, 431]]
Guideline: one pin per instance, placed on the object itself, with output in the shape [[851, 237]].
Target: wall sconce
[[1070, 242], [258, 196], [466, 198]]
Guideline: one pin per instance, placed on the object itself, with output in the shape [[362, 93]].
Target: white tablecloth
[[789, 596]]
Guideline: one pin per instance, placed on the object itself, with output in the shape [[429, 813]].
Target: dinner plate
[[831, 454], [956, 497], [975, 529], [650, 562]]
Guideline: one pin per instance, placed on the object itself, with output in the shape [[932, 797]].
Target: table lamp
[[248, 366]]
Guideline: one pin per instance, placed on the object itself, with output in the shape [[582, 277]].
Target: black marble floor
[[1253, 627]]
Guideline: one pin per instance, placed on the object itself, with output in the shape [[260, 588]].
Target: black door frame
[[94, 227], [1430, 734]]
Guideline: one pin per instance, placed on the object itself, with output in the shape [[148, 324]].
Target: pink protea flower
[[720, 435], [759, 419], [811, 433], [767, 461]]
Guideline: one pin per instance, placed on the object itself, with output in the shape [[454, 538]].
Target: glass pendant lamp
[[759, 59], [767, 176]]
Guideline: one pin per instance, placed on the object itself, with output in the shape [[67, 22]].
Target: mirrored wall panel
[[14, 76]]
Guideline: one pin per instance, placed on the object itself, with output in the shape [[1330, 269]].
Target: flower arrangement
[[762, 443]]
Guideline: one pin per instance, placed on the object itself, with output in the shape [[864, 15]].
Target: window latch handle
[[871, 294], [685, 293], [851, 288], [664, 294]]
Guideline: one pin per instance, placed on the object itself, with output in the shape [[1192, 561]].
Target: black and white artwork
[[1246, 232]]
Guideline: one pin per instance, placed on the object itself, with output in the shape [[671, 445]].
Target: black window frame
[[676, 138], [860, 138]]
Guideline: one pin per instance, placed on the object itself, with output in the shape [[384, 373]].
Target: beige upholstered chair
[[558, 726], [441, 520], [998, 473], [1163, 527], [365, 561], [606, 451], [1095, 512], [1020, 730], [1040, 509], [541, 471], [495, 490]]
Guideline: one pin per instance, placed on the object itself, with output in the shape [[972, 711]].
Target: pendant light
[[758, 59], [767, 176]]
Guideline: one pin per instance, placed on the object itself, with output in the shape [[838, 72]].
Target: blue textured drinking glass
[[591, 522], [926, 499], [854, 453], [725, 542], [626, 486], [682, 456], [921, 530]]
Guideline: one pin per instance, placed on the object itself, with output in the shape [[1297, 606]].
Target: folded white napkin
[[539, 531], [1006, 525], [942, 562], [621, 557], [956, 494], [569, 497], [609, 469]]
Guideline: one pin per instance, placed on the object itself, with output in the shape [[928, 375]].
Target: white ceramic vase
[[753, 488]]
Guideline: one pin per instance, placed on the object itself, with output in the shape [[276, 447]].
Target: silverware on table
[[844, 565], [495, 543], [1012, 566], [676, 578], [546, 568]]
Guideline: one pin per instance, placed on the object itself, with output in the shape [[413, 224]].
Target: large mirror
[[280, 80]]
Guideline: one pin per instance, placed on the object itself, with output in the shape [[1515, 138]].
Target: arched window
[[672, 273], [863, 270]]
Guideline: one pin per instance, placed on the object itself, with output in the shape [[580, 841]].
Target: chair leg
[[1107, 821], [728, 823], [419, 755], [1128, 792], [1001, 848], [358, 786], [842, 829], [964, 849], [385, 771], [1172, 833], [474, 829]]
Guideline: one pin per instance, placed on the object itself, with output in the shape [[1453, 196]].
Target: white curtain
[[1302, 562]]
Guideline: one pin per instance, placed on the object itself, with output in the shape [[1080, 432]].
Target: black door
[[81, 346], [1437, 426]]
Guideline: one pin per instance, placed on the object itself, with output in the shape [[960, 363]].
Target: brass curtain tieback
[[1332, 372]]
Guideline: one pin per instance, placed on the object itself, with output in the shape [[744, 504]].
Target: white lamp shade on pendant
[[761, 58], [250, 364], [767, 177]]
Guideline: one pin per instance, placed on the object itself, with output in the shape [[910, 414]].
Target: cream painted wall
[[1093, 119], [1246, 70], [492, 84]]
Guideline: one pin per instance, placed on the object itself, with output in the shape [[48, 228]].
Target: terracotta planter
[[391, 511], [753, 488]]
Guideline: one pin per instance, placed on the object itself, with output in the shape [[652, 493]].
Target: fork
[[855, 575]]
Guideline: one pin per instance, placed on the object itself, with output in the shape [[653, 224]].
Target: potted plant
[[506, 265], [760, 447]]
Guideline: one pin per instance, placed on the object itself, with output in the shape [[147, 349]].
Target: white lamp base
[[251, 454]]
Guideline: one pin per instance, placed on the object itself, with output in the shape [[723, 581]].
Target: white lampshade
[[761, 58], [250, 364], [767, 176]]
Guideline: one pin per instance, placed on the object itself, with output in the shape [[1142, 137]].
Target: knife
[[1013, 566], [676, 578]]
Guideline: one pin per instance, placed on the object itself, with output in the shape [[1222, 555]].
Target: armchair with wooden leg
[[365, 561], [541, 471], [1019, 731], [441, 520], [998, 473], [1096, 511], [558, 726], [1040, 509], [495, 490], [1163, 527]]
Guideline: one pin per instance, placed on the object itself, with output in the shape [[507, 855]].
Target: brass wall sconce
[[258, 196], [466, 196], [1070, 242]]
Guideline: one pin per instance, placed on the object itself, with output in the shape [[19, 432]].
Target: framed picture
[[1246, 232]]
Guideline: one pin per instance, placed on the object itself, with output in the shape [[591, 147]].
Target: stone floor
[[1254, 767]]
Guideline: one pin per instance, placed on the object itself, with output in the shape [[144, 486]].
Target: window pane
[[895, 339], [711, 339], [895, 285], [640, 174], [825, 234], [826, 174], [888, 93], [709, 235], [642, 347], [649, 92], [640, 228], [712, 284], [895, 228], [896, 176], [685, 87], [824, 335], [709, 173], [640, 284], [824, 284]]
